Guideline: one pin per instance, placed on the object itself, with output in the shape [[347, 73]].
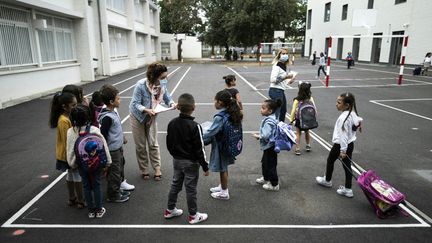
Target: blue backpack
[[231, 136], [284, 137], [90, 151]]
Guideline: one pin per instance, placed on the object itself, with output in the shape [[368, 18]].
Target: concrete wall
[[192, 48], [390, 18]]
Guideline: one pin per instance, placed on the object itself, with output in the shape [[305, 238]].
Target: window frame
[[370, 4], [400, 1], [344, 12], [327, 12], [309, 19]]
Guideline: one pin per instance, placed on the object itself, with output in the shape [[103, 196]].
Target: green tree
[[179, 16]]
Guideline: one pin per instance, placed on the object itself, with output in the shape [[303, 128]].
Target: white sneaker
[[172, 213], [322, 181], [345, 192], [126, 186], [269, 187], [216, 189], [223, 195], [198, 217], [261, 180]]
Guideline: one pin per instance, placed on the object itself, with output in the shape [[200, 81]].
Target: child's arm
[[213, 130], [267, 131], [293, 110], [199, 147], [343, 136], [70, 148], [105, 126], [167, 97]]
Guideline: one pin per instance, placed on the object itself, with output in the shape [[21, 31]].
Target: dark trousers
[[187, 172], [333, 156], [279, 94], [349, 63], [323, 69], [115, 174], [92, 188], [269, 166]]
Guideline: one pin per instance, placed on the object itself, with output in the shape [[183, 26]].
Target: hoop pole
[[259, 53], [404, 49], [328, 61]]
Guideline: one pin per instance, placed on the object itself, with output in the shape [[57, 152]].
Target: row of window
[[120, 7], [118, 42], [327, 11]]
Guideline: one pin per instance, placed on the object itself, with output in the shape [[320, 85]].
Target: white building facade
[[393, 17], [46, 44]]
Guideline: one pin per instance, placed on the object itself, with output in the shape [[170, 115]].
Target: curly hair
[[154, 71]]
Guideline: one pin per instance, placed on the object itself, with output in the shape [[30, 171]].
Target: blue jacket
[[142, 99], [267, 131]]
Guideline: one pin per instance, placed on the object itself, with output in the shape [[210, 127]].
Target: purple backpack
[[381, 195], [284, 137]]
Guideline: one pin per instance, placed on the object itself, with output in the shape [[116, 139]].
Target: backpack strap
[[87, 130]]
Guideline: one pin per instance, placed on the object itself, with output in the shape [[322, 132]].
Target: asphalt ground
[[395, 142]]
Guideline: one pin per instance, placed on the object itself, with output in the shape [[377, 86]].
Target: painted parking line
[[378, 102]]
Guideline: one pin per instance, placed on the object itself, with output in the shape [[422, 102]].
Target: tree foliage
[[179, 16]]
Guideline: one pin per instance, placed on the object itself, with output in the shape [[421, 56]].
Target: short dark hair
[[186, 103], [80, 116], [108, 93], [97, 98]]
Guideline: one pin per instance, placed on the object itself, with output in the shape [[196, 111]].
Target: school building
[[46, 44], [346, 18]]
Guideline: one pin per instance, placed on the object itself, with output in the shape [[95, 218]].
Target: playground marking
[[378, 102]]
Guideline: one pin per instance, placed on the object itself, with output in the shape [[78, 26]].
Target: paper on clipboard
[[294, 74], [159, 108]]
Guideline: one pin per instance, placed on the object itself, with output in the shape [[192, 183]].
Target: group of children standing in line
[[185, 141]]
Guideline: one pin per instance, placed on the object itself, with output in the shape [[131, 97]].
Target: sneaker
[[119, 199], [269, 187], [220, 195], [297, 152], [322, 181], [216, 189], [100, 213], [126, 186], [261, 180], [308, 148], [91, 215], [198, 217], [345, 192], [172, 213], [124, 193]]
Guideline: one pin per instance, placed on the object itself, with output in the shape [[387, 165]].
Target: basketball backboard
[[364, 18], [279, 34]]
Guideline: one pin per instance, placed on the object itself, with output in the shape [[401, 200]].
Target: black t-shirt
[[233, 92]]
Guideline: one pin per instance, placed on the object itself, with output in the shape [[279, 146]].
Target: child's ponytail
[[231, 105], [349, 99], [229, 78], [57, 109]]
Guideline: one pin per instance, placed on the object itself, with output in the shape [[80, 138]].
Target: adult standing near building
[[149, 93], [426, 63], [279, 81]]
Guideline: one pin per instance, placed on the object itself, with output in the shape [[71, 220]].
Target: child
[[304, 95], [97, 104], [185, 144], [344, 135], [349, 59], [270, 178], [219, 161], [78, 92], [80, 118], [112, 131], [61, 106], [322, 64], [230, 81]]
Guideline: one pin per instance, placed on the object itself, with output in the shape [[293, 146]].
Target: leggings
[[333, 156]]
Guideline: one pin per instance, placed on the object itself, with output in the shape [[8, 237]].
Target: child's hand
[[174, 106], [207, 173], [342, 155], [125, 141], [256, 135]]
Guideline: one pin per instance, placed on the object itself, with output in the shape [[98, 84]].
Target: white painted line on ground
[[218, 226], [181, 79], [9, 222], [416, 99], [164, 132], [403, 111], [247, 82], [380, 71], [245, 67], [242, 103]]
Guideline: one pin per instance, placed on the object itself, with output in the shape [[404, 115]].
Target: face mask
[[163, 81], [283, 58]]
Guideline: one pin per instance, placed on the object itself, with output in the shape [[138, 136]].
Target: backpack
[[284, 137], [306, 115], [90, 151], [417, 71], [231, 136]]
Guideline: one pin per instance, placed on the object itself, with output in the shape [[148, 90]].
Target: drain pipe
[[101, 38]]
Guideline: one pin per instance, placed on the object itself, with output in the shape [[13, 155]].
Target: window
[[370, 4], [140, 45], [55, 41], [116, 5], [327, 12], [152, 17], [309, 19], [165, 49], [153, 46], [15, 40], [344, 11], [139, 11], [118, 43], [400, 1]]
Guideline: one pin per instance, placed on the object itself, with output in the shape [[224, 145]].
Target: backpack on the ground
[[306, 115], [417, 71], [90, 151], [284, 137], [231, 136]]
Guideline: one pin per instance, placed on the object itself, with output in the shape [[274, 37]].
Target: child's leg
[[114, 175], [298, 137], [87, 190], [97, 188], [191, 181], [264, 167], [347, 162], [272, 166], [332, 157], [177, 183], [71, 191], [307, 137], [224, 179]]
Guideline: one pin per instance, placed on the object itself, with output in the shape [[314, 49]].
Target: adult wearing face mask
[[149, 93], [279, 81]]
